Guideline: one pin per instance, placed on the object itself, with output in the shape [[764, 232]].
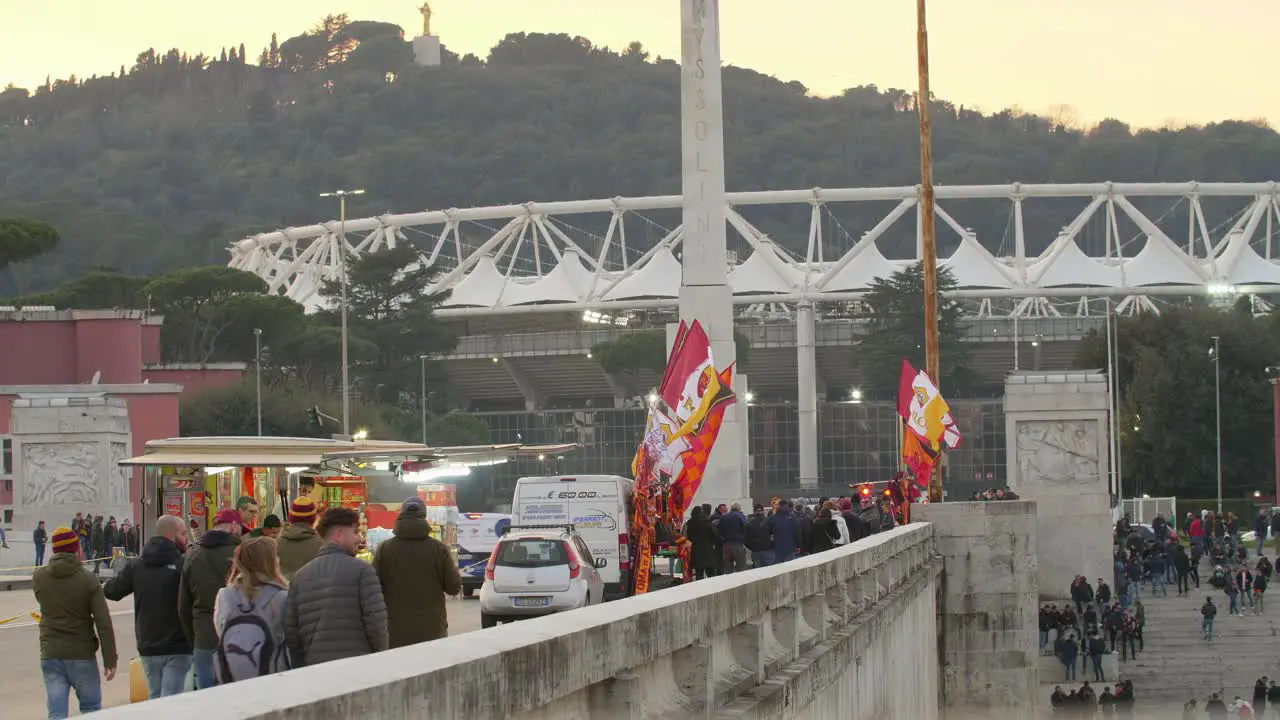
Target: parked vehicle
[[597, 506], [539, 570], [478, 534]]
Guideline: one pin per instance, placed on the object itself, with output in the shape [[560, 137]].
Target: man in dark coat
[[204, 573], [786, 533], [702, 556], [416, 572], [335, 609], [155, 580]]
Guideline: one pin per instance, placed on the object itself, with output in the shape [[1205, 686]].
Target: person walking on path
[[733, 532], [1066, 651], [154, 580], [248, 614], [204, 573], [299, 542], [1208, 611], [416, 571], [786, 533], [74, 624], [40, 538], [336, 609], [757, 538]]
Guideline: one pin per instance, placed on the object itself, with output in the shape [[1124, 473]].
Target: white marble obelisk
[[704, 289]]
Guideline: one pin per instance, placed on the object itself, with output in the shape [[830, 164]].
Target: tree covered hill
[[163, 163]]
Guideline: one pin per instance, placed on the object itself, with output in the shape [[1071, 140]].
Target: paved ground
[[23, 695]]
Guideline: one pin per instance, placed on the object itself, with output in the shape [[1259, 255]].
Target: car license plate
[[531, 601]]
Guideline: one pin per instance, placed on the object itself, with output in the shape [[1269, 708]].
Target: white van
[[598, 507], [478, 534]]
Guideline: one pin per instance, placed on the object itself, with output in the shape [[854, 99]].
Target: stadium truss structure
[[535, 257]]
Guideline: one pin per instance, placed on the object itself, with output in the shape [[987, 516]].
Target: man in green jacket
[[204, 573], [73, 621], [298, 543], [416, 572]]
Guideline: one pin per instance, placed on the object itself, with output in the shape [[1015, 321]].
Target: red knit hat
[[302, 510], [65, 541]]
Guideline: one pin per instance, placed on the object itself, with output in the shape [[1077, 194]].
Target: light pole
[[257, 366], [1217, 400], [342, 270], [423, 360]]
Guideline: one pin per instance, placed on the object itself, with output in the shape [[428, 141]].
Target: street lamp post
[[342, 270], [423, 360], [1217, 400], [257, 366]]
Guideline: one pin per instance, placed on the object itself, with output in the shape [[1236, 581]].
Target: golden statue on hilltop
[[426, 18]]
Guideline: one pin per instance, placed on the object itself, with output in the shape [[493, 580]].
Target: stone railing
[[849, 633]]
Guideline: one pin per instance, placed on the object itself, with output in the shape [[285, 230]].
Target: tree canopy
[[1168, 414], [894, 310], [162, 164]]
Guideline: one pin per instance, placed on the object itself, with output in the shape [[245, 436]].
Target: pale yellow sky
[[1144, 61]]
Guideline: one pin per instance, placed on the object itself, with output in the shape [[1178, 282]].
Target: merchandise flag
[[680, 431], [926, 417]]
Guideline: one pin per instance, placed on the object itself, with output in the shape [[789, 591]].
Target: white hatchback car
[[538, 570]]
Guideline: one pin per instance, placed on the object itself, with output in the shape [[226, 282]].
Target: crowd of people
[[991, 494], [724, 539], [1083, 701], [98, 538], [240, 603]]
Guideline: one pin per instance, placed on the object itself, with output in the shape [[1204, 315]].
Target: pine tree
[[224, 56], [275, 51], [242, 55], [264, 60]]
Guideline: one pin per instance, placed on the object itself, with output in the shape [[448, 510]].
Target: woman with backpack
[[248, 615]]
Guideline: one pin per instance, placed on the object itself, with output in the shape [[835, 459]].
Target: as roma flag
[[703, 440]]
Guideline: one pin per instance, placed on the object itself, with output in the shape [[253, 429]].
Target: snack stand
[[195, 477]]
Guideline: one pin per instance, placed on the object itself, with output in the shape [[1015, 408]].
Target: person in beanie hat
[[416, 571], [204, 573], [74, 623], [298, 543]]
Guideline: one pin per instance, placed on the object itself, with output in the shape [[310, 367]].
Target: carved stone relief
[[61, 473], [1058, 451], [120, 476]]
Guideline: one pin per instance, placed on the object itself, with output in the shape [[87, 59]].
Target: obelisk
[[704, 288]]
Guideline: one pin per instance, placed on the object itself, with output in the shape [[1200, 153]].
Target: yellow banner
[[644, 561]]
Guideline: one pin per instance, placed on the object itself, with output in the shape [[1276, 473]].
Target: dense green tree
[[1167, 402], [102, 288], [232, 410], [23, 239], [165, 166], [894, 310], [198, 305], [457, 428], [389, 308]]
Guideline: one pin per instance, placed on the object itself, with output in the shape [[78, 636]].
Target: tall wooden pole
[[928, 245]]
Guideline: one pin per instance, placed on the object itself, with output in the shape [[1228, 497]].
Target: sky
[[1147, 62]]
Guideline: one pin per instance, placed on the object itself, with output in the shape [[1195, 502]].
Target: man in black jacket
[[758, 539], [153, 579]]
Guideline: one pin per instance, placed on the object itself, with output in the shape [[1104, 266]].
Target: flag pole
[[928, 245]]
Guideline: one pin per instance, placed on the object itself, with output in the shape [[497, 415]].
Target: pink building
[[118, 351]]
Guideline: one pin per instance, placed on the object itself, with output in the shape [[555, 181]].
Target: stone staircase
[[1177, 664]]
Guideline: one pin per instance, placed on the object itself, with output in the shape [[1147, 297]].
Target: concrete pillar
[[807, 374], [989, 607], [704, 292]]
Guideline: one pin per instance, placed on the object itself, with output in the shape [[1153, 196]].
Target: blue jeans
[[63, 676], [1235, 606], [761, 558], [1206, 628], [204, 667], [1261, 539], [1157, 584], [166, 674], [40, 555]]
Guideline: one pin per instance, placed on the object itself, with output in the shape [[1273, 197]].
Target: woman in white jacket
[[838, 521]]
